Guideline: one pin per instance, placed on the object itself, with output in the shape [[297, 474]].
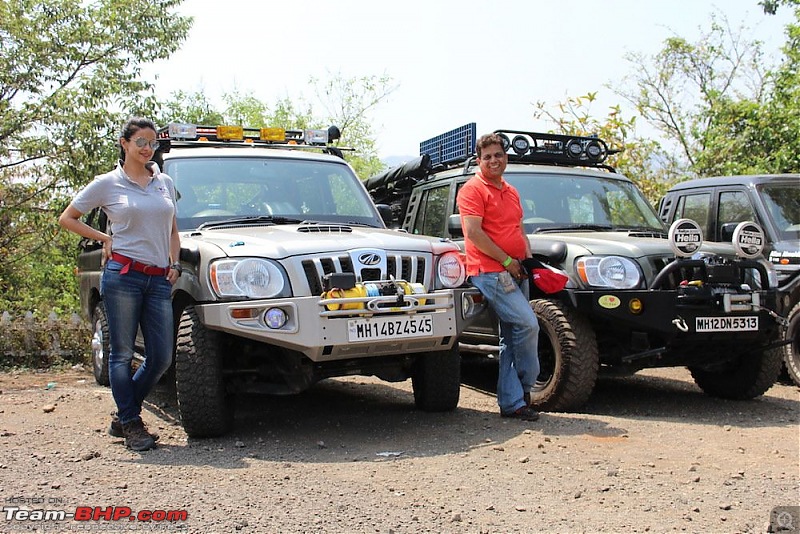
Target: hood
[[291, 240], [608, 243]]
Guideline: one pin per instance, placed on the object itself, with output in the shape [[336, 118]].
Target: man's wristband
[[177, 266], [507, 261]]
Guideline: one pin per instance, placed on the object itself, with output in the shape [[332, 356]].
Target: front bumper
[[324, 335], [662, 313]]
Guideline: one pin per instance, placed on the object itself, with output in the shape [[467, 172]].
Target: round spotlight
[[520, 145], [275, 318], [595, 151], [574, 148], [505, 140]]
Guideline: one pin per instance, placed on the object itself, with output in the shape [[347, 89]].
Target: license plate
[[375, 328], [726, 324]]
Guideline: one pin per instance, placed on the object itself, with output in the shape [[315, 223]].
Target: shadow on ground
[[359, 419]]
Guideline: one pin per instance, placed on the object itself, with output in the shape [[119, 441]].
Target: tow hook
[[680, 324], [778, 319]]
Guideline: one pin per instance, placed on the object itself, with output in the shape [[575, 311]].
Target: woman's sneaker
[[115, 429], [136, 436]]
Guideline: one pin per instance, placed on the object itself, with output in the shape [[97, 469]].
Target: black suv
[[720, 203], [636, 297]]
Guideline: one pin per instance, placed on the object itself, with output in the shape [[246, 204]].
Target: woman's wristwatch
[[177, 267]]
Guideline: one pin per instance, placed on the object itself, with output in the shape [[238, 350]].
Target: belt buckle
[[149, 268]]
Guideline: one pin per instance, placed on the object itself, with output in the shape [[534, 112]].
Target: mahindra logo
[[369, 258]]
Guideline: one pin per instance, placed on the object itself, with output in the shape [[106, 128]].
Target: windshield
[[220, 188], [783, 205], [551, 201]]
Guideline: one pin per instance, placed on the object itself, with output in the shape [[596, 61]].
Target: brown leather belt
[[128, 263]]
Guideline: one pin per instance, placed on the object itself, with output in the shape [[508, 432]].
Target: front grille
[[408, 268]]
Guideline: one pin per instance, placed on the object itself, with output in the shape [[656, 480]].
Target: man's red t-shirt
[[501, 212]]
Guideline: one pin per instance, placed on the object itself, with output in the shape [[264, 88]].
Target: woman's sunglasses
[[141, 142]]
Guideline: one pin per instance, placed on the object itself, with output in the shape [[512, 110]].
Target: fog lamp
[[594, 151], [505, 140], [574, 148], [520, 145], [275, 318]]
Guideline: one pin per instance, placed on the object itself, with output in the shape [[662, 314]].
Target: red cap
[[547, 280]]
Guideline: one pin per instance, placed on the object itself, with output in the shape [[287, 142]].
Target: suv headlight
[[608, 271], [247, 277], [450, 270]]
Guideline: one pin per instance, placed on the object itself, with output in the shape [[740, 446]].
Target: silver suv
[[290, 276], [638, 294]]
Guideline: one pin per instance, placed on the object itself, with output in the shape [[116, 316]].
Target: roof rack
[[457, 147], [196, 135]]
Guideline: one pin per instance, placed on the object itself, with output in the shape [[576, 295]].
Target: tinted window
[[563, 201], [431, 218], [783, 205], [734, 207], [695, 207], [219, 188]]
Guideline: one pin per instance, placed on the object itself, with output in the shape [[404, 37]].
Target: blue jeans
[[136, 299], [519, 340]]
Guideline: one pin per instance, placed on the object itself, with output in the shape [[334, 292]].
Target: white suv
[[290, 276]]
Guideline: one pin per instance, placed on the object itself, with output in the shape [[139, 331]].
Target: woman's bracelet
[[507, 261]]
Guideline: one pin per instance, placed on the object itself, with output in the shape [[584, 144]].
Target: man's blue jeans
[[133, 299], [519, 340]]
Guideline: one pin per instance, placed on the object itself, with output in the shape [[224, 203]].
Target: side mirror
[[726, 232], [454, 226], [385, 212]]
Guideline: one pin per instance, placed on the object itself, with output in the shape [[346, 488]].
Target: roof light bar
[[234, 133], [182, 131], [458, 145], [230, 133], [533, 147]]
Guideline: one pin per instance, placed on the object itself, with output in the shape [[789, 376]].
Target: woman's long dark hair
[[131, 127]]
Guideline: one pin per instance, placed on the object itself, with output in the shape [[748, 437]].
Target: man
[[491, 216]]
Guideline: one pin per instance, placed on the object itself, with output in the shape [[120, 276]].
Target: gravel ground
[[649, 453]]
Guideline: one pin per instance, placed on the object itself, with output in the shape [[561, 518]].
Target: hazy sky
[[454, 61]]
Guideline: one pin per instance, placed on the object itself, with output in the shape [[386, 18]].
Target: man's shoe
[[526, 413], [136, 437], [115, 429]]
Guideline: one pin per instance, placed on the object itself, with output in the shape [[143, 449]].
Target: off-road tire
[[205, 407], [101, 344], [791, 352], [748, 377], [436, 380], [568, 358]]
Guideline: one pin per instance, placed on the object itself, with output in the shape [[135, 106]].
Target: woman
[[140, 254]]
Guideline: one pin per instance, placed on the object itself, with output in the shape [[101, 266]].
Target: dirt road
[[650, 453]]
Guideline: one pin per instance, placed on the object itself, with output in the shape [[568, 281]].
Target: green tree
[[346, 101], [70, 72], [718, 104], [642, 160]]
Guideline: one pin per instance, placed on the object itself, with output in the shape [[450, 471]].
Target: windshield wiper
[[590, 227], [627, 228], [252, 219]]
